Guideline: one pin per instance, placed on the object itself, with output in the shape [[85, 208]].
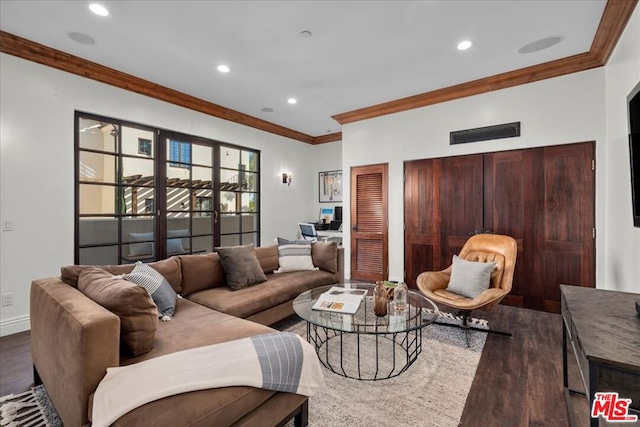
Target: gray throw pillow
[[469, 278], [160, 290], [241, 266]]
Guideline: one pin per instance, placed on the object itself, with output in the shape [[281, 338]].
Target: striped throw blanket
[[280, 361]]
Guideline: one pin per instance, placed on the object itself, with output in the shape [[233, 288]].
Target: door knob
[[354, 228]]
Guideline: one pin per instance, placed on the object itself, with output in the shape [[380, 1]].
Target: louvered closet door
[[369, 227]]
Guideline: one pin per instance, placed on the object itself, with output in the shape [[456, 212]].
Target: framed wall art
[[330, 186]]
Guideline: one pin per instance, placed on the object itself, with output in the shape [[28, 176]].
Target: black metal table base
[[394, 352]]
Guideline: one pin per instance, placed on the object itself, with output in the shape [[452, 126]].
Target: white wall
[[563, 110], [622, 248], [37, 107]]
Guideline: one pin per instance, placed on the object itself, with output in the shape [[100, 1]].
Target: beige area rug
[[432, 392]]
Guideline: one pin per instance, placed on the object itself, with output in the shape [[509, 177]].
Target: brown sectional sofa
[[74, 339]]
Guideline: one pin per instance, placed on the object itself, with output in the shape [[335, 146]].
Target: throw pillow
[[131, 303], [470, 278], [157, 286], [325, 256], [241, 266], [174, 246], [295, 256]]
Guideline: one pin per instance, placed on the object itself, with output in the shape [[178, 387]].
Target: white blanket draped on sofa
[[280, 361]]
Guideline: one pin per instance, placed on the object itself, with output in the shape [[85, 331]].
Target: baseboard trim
[[14, 325]]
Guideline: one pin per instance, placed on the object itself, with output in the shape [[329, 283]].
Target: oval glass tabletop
[[420, 312]]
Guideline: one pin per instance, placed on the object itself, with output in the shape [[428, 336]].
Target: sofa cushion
[[278, 289], [169, 268], [268, 258], [160, 290], [200, 272], [131, 303], [221, 406], [241, 266]]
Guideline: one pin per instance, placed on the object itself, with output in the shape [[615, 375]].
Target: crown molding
[[614, 18], [32, 51]]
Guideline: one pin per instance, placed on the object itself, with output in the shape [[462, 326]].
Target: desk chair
[[308, 232]]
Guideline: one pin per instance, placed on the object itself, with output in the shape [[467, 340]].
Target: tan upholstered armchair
[[479, 248]]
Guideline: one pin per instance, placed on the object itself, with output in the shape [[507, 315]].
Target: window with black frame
[[125, 211]]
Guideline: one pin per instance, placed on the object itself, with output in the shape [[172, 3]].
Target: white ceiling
[[361, 53]]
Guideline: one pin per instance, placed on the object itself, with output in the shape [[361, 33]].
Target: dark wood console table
[[604, 331]]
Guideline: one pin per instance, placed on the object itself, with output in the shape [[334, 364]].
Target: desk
[[334, 234], [604, 331]]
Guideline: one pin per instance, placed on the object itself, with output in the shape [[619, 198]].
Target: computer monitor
[[326, 215]]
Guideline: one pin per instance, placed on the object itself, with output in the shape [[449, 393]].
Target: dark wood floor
[[518, 381]]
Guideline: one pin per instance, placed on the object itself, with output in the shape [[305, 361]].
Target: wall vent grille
[[507, 130]]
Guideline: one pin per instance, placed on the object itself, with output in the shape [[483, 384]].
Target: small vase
[[380, 300], [400, 297]]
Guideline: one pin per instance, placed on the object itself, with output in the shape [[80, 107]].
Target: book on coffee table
[[340, 300]]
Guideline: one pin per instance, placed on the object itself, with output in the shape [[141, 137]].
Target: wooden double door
[[543, 197]]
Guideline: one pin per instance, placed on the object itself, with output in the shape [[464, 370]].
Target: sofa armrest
[[73, 341]]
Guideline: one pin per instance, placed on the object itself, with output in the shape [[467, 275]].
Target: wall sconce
[[286, 178]]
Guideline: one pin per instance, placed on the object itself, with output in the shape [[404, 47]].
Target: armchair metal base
[[466, 315]]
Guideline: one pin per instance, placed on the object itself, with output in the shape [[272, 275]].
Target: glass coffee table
[[364, 346]]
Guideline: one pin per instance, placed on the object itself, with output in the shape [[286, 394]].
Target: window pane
[[202, 225], [250, 161], [229, 180], [227, 201], [179, 153], [136, 229], [230, 240], [138, 171], [229, 224], [202, 244], [131, 141], [102, 255], [97, 199], [180, 228], [250, 181], [201, 177], [249, 202], [248, 238], [202, 155], [178, 199], [96, 167], [249, 223], [94, 231], [203, 202], [139, 200], [229, 158], [96, 135]]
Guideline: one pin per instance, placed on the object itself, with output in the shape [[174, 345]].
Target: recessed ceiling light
[[541, 44], [464, 45], [305, 34], [292, 101], [267, 109], [98, 9], [81, 38], [223, 68]]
